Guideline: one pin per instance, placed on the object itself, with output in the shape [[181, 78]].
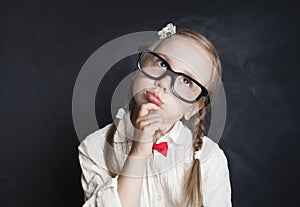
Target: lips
[[152, 97]]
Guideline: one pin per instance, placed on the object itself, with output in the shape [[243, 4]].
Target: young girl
[[149, 157]]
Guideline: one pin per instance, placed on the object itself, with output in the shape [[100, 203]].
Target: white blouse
[[163, 184]]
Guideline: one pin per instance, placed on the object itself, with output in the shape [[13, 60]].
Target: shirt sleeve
[[100, 189], [216, 181]]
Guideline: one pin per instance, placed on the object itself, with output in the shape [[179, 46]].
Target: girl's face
[[159, 92]]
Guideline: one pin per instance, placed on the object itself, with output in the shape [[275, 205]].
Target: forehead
[[181, 52]]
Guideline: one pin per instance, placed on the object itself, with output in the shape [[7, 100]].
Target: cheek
[[140, 83], [175, 108]]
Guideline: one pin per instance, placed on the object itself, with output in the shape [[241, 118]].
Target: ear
[[193, 110]]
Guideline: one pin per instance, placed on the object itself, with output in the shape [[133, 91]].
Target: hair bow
[[120, 114], [197, 154], [167, 31]]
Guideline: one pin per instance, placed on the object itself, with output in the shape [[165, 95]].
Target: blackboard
[[45, 43]]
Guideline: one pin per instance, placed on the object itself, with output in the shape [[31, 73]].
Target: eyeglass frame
[[173, 74]]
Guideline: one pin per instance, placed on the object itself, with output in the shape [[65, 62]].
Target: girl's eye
[[187, 82], [162, 64]]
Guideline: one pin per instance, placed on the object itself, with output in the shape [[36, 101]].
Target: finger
[[145, 122], [153, 115], [159, 113], [147, 117], [147, 132], [157, 125], [145, 108]]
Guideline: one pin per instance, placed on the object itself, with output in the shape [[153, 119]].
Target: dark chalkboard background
[[45, 43]]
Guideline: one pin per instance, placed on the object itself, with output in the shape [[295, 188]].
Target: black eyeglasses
[[184, 87]]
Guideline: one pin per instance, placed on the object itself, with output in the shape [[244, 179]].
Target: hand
[[149, 128]]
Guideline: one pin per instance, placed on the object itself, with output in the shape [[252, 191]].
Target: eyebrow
[[185, 72]]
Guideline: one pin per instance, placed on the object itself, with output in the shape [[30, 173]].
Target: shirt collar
[[126, 129]]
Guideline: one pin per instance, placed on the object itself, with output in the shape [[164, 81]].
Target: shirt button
[[158, 197]]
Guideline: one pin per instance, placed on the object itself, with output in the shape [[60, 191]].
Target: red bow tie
[[161, 147]]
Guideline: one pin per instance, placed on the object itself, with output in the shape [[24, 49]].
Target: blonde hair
[[192, 192], [192, 183]]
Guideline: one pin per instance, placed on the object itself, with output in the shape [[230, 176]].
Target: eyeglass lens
[[156, 67]]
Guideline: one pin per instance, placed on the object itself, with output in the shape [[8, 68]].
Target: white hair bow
[[197, 154], [120, 114], [167, 31]]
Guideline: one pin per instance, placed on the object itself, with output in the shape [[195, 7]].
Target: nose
[[164, 83]]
